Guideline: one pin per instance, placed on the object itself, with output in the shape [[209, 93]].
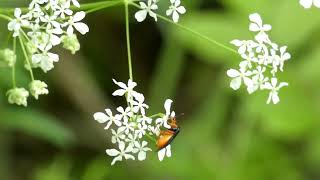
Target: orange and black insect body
[[167, 136]]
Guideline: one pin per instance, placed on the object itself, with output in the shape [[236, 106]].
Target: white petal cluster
[[131, 127], [148, 8], [262, 59], [308, 3], [44, 25], [48, 23]]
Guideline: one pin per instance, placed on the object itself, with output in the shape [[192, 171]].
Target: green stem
[[103, 5], [157, 115], [27, 58], [192, 31], [5, 17], [128, 38], [151, 138], [13, 66]]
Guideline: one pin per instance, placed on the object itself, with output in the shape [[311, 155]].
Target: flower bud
[[18, 96], [8, 56], [38, 88], [70, 42]]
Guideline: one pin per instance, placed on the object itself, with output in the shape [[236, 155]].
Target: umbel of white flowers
[[262, 59], [131, 127], [149, 8], [46, 24]]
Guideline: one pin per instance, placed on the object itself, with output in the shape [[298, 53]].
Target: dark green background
[[225, 135]]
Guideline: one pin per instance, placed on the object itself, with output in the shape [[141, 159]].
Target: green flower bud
[[70, 42], [8, 56], [38, 88], [18, 96]]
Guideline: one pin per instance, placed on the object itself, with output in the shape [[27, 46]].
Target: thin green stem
[[191, 31], [14, 64], [27, 58], [5, 17], [103, 6], [157, 115], [128, 38], [151, 138]]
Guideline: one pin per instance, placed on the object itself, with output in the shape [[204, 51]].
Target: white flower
[[127, 127], [18, 96], [74, 22], [256, 25], [63, 10], [45, 61], [144, 120], [38, 88], [175, 9], [139, 105], [274, 88], [244, 45], [19, 21], [70, 42], [141, 130], [308, 3], [248, 59], [121, 153], [103, 118], [117, 136], [146, 9], [164, 152], [164, 120], [131, 139], [238, 76], [141, 149], [75, 3], [50, 21], [8, 56], [125, 114], [284, 56], [125, 89]]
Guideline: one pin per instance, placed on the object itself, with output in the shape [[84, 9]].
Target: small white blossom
[[239, 76], [121, 153], [74, 22], [164, 152], [103, 118], [8, 56], [117, 136], [175, 9], [127, 127], [38, 88], [125, 114], [125, 89], [45, 61], [145, 10], [139, 105], [164, 120], [141, 149], [256, 25], [19, 21], [18, 96], [274, 88]]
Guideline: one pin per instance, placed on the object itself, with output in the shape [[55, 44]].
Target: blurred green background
[[225, 135]]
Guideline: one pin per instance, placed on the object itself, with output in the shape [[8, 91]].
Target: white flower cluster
[[308, 3], [174, 10], [131, 127], [262, 60], [48, 23]]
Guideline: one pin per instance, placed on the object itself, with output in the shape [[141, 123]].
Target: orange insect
[[167, 136]]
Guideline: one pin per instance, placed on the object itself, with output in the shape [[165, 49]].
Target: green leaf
[[36, 124]]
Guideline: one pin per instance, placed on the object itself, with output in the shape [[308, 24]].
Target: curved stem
[[192, 31], [100, 6], [128, 39], [5, 17], [27, 58]]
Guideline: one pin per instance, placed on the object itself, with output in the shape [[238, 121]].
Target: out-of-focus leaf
[[36, 124], [60, 169], [97, 169]]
